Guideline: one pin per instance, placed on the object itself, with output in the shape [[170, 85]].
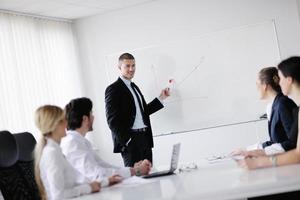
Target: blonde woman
[[55, 177]]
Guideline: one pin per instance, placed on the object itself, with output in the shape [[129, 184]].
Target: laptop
[[173, 166]]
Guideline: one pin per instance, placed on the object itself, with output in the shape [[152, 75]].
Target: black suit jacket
[[281, 123], [120, 113]]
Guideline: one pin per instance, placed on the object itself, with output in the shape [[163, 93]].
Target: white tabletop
[[210, 181]]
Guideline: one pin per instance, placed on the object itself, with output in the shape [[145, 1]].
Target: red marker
[[171, 83]]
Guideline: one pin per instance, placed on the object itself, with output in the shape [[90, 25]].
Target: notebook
[[173, 165]]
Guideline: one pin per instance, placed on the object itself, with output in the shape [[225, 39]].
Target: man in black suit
[[128, 114]]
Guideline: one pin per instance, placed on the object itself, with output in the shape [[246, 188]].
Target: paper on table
[[215, 159], [134, 181]]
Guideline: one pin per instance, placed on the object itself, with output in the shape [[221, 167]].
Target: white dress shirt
[[79, 152], [138, 121], [269, 109], [60, 179]]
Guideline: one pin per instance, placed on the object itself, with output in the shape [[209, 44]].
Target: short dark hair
[[75, 110], [291, 67], [126, 56], [269, 76]]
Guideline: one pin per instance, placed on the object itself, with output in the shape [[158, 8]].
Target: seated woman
[[279, 113], [289, 73], [55, 177]]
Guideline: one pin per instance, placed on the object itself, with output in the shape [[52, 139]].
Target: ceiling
[[67, 9]]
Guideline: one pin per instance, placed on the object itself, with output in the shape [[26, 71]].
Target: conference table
[[219, 180]]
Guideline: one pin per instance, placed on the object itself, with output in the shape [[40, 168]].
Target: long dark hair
[[291, 67]]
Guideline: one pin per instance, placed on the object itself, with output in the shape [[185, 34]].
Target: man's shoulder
[[115, 86], [116, 83], [69, 141]]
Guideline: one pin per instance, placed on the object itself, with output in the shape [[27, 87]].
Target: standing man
[[128, 114]]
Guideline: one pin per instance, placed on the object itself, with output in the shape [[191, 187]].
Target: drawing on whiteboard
[[175, 86], [191, 72]]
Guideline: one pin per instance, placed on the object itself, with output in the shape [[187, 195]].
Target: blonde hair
[[46, 119]]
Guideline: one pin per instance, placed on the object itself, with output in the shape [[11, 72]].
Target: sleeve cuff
[[254, 146], [274, 149], [105, 182], [125, 172], [86, 189], [160, 100]]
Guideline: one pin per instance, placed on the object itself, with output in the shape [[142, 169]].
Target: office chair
[[16, 183], [26, 144], [8, 149]]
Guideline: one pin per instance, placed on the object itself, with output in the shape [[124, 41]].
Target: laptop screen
[[175, 157]]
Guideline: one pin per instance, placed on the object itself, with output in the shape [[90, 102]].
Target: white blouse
[[60, 179], [79, 152], [269, 109]]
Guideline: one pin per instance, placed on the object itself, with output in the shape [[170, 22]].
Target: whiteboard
[[214, 76]]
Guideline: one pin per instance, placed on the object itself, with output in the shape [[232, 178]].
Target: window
[[38, 65]]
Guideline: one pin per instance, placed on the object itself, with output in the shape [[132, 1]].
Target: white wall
[[169, 20], [298, 2]]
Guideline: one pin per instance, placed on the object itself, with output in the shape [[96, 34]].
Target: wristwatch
[[138, 172], [273, 160]]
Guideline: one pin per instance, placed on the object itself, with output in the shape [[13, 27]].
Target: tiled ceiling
[[67, 9]]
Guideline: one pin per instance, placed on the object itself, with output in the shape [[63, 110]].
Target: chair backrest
[[26, 144], [8, 149], [17, 180]]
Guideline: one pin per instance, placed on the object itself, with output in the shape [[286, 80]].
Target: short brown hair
[[126, 56]]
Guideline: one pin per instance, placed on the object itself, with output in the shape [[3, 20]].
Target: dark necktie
[[134, 88]]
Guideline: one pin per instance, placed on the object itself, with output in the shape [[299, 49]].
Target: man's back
[[79, 152]]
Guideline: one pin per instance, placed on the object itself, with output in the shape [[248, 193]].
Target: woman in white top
[[55, 177]]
